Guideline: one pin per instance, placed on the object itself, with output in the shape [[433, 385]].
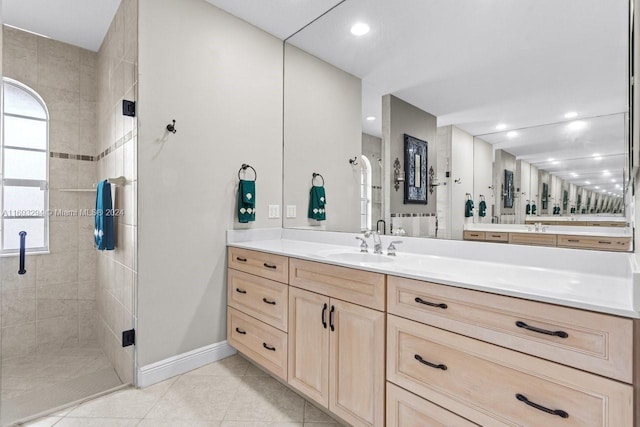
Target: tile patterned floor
[[229, 393]]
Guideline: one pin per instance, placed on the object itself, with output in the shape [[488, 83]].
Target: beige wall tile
[[20, 64], [62, 104], [9, 277], [87, 266], [56, 301], [87, 329], [63, 236], [64, 136], [63, 173], [128, 290], [57, 332], [87, 291], [18, 306], [87, 176], [60, 200], [88, 58], [88, 83], [18, 340], [57, 269], [86, 239], [13, 37]]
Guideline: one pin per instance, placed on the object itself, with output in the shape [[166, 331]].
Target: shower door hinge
[[128, 108], [128, 337]]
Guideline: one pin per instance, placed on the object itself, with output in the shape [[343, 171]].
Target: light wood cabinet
[[405, 409], [269, 266], [474, 235], [535, 239], [261, 298], [595, 242], [348, 284], [336, 356], [594, 342], [491, 236], [492, 385], [309, 344]]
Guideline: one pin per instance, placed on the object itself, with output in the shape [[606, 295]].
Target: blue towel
[[482, 209], [104, 230], [246, 201], [468, 208]]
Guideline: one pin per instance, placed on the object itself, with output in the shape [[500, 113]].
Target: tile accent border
[[185, 362], [69, 156], [409, 215], [119, 143]]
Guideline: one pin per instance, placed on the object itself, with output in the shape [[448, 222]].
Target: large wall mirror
[[520, 110]]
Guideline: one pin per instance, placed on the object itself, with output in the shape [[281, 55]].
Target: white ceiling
[[281, 18], [81, 23], [565, 152]]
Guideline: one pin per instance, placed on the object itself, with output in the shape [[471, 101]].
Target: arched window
[[25, 159], [365, 193]]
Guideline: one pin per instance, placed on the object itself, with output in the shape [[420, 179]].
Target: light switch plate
[[274, 211], [291, 211]]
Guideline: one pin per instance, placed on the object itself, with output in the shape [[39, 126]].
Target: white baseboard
[[185, 362]]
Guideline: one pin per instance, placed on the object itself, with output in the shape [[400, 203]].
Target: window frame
[[32, 183]]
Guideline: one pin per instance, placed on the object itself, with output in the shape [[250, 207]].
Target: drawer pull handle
[[560, 334], [604, 242], [268, 347], [266, 301], [241, 259], [331, 313], [573, 240], [240, 291], [430, 304], [241, 332], [324, 315], [271, 266], [557, 412], [496, 235], [432, 365]]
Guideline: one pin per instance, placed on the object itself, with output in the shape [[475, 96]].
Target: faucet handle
[[391, 250], [363, 246]]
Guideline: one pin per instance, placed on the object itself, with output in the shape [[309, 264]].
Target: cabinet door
[[309, 344], [356, 366]]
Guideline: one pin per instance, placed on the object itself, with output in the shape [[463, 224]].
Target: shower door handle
[[23, 238]]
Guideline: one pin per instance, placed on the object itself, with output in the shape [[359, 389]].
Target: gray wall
[[502, 160], [221, 79], [405, 118], [483, 176], [322, 131]]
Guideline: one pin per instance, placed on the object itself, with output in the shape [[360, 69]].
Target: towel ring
[[244, 168], [315, 175]]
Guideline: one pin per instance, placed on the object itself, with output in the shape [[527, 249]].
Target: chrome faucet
[[363, 246], [391, 250], [377, 243]]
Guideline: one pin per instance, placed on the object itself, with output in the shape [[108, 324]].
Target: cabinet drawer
[[496, 237], [261, 298], [496, 386], [274, 267], [405, 409], [264, 344], [348, 284], [539, 239], [607, 224], [595, 242], [595, 342], [474, 235]]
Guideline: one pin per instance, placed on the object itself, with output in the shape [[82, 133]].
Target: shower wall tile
[[10, 280], [18, 341], [56, 269], [63, 236], [57, 332], [18, 306]]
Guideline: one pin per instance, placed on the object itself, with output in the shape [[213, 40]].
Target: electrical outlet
[[274, 211], [291, 211]]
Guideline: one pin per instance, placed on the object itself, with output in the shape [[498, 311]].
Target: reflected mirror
[[522, 110]]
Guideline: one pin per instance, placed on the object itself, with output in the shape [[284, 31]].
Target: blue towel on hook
[[104, 231]]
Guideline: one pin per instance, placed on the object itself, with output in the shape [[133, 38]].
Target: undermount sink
[[359, 257]]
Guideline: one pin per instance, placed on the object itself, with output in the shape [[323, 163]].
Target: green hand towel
[[528, 209], [468, 208], [317, 200], [246, 201], [534, 209], [482, 209]]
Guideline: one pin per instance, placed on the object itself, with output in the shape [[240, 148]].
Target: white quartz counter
[[571, 278]]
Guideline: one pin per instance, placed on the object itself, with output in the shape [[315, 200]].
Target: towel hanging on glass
[[317, 200], [104, 229], [482, 207], [468, 207]]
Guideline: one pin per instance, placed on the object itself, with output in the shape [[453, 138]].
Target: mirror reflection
[[459, 120]]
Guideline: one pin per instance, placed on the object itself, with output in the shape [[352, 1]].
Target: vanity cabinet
[[595, 242], [336, 354]]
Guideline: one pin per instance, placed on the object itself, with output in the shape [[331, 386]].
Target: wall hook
[[172, 127], [458, 181], [354, 161]]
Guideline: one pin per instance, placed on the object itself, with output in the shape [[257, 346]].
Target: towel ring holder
[[244, 168], [315, 175]]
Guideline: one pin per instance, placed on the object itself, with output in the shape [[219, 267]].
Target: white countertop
[[609, 289]]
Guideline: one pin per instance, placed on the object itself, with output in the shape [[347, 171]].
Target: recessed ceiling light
[[604, 191], [359, 29], [550, 159], [370, 118], [555, 163], [609, 192], [597, 156], [588, 182], [571, 115], [606, 173], [512, 134], [501, 126], [577, 125], [613, 180], [596, 187], [573, 174]]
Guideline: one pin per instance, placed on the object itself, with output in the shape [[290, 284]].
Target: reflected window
[[25, 155], [365, 194]]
